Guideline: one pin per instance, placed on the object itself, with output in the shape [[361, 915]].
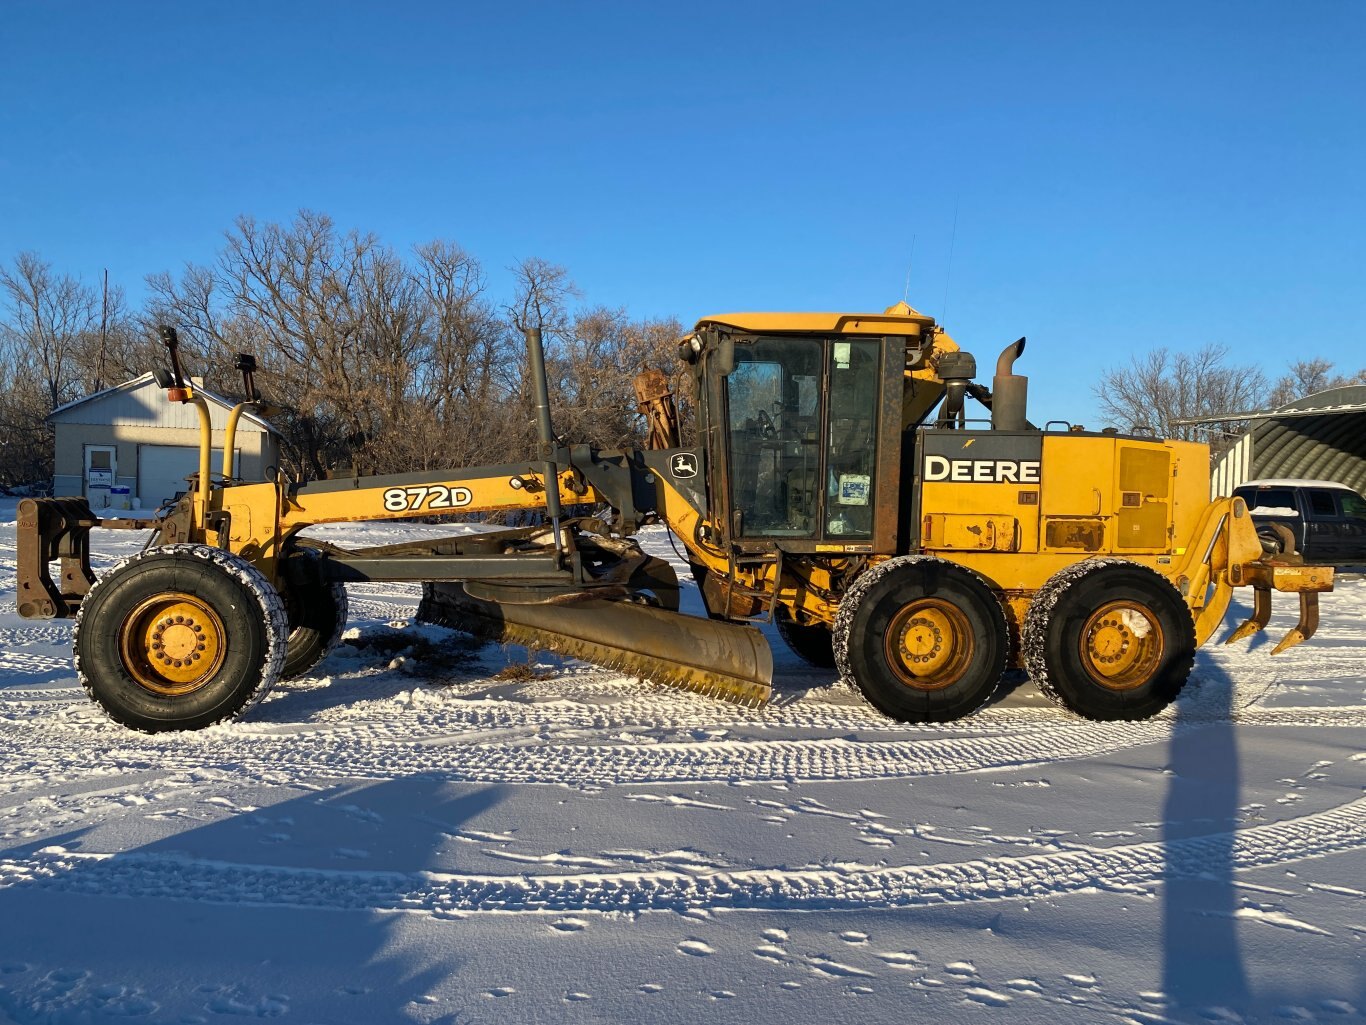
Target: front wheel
[[317, 613], [1109, 639], [180, 637], [925, 640], [811, 643]]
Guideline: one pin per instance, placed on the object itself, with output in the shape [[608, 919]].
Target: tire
[[1277, 539], [814, 645], [317, 613], [1109, 639], [925, 640], [210, 606]]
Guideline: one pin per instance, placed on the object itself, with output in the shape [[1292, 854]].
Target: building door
[[162, 470], [101, 469]]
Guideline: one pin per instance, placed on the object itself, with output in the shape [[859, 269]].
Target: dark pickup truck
[[1325, 520]]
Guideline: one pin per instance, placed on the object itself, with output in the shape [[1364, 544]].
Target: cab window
[[774, 415], [851, 443]]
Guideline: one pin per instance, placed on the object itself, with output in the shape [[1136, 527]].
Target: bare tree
[[51, 351], [391, 363], [463, 384], [340, 325], [1161, 387], [47, 318], [1308, 376], [542, 297], [595, 366]]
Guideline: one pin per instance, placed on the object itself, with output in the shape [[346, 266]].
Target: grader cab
[[838, 489]]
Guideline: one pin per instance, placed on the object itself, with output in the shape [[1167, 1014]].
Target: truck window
[[1322, 504], [1272, 502], [1353, 505]]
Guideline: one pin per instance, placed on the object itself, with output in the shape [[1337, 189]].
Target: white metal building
[[1321, 436], [127, 446]]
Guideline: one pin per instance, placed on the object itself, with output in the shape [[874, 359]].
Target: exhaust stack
[[1009, 391]]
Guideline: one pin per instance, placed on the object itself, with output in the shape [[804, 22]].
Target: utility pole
[[104, 332]]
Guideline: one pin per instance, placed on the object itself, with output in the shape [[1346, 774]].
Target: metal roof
[[134, 403], [1321, 436]]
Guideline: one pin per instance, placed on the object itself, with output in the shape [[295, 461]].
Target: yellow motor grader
[[837, 489]]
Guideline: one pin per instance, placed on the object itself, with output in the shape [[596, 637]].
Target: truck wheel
[[814, 645], [924, 639], [1109, 639], [1277, 539], [179, 637], [317, 613]]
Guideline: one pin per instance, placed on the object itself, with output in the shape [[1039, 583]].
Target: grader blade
[[720, 660]]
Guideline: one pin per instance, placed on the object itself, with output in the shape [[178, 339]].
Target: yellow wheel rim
[[1122, 645], [928, 644], [172, 643]]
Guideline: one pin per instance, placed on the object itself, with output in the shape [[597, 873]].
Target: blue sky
[[1121, 176]]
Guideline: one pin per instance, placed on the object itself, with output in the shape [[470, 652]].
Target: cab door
[[813, 429], [1352, 508], [1327, 529]]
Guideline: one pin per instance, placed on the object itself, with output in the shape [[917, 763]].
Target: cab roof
[[898, 319]]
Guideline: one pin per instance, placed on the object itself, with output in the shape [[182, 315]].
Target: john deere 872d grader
[[837, 488]]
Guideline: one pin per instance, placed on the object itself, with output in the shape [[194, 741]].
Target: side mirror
[[724, 355], [246, 363]]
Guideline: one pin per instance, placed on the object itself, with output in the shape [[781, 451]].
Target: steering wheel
[[767, 428]]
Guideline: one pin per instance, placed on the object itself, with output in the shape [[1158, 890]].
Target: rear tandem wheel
[[180, 637], [1109, 639]]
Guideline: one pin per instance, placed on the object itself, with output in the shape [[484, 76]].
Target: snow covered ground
[[407, 837]]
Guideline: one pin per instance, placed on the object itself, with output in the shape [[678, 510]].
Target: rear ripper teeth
[[720, 660]]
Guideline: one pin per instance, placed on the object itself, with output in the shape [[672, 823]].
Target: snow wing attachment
[[56, 530], [717, 659], [53, 529]]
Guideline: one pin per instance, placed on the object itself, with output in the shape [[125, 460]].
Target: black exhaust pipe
[[1009, 392]]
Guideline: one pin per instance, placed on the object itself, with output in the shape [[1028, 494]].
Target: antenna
[[948, 274], [906, 293]]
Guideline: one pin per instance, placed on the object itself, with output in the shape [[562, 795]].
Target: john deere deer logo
[[683, 465]]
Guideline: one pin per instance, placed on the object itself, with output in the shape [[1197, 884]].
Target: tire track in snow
[[428, 712], [26, 662], [677, 712], [1124, 868], [369, 609], [304, 756]]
